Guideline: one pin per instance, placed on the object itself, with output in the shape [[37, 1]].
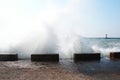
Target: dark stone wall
[[8, 57], [86, 57], [45, 57], [114, 55]]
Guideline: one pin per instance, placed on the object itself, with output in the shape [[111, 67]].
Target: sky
[[89, 18]]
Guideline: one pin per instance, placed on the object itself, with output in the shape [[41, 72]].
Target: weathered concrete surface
[[8, 57], [86, 57], [114, 55], [45, 57]]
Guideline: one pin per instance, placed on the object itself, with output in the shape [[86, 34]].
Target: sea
[[103, 45]]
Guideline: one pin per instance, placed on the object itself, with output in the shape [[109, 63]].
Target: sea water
[[68, 46], [104, 45]]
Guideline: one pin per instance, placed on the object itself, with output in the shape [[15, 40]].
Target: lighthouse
[[106, 36]]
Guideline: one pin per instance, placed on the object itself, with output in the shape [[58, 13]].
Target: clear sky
[[90, 18]]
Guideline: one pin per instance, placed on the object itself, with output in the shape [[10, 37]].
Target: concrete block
[[45, 57], [8, 57], [114, 55], [86, 57]]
